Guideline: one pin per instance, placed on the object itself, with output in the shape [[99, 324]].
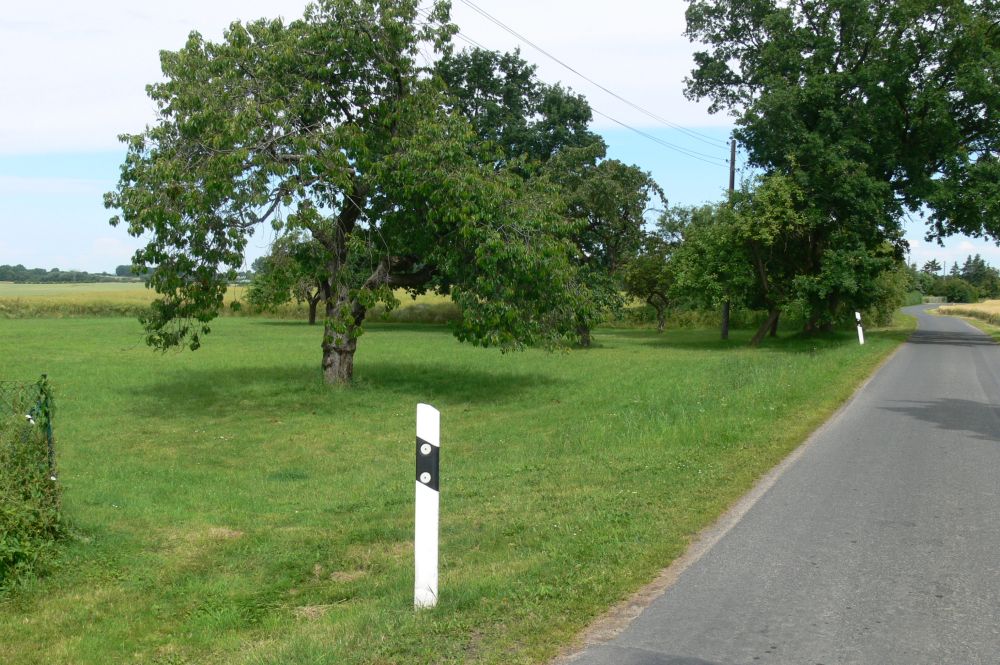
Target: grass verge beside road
[[230, 508]]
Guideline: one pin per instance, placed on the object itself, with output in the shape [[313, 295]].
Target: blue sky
[[59, 118]]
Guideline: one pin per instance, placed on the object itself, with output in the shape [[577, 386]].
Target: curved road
[[880, 545]]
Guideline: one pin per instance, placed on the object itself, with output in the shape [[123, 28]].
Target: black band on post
[[428, 457]]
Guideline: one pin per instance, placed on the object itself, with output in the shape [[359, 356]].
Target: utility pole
[[732, 188], [732, 166]]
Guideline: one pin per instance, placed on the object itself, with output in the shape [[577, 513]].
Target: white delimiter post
[[861, 332], [425, 540]]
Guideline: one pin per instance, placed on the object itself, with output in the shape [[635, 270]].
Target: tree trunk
[[725, 319], [338, 346], [774, 327], [313, 304], [584, 333], [659, 302], [338, 356], [759, 335]]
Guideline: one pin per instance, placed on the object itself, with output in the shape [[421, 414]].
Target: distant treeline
[[21, 274]]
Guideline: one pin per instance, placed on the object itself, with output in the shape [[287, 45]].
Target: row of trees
[[973, 280], [471, 178], [18, 273]]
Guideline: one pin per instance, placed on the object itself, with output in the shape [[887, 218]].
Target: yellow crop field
[[988, 311], [129, 298], [988, 307], [127, 293]]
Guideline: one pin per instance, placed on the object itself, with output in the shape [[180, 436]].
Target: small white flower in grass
[[30, 419]]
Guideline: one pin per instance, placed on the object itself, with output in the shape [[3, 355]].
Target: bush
[[955, 289], [30, 521]]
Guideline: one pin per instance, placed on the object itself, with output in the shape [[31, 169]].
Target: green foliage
[[713, 264], [932, 267], [955, 289], [22, 275], [327, 126], [606, 203], [30, 520], [913, 298], [293, 270], [650, 276], [526, 120], [869, 109], [542, 130], [982, 276], [890, 292]]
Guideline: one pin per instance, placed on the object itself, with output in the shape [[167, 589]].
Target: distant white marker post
[[861, 332], [425, 541]]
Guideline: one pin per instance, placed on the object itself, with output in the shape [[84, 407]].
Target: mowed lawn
[[228, 507]]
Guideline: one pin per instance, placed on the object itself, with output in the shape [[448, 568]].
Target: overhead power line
[[700, 156], [688, 152], [698, 136]]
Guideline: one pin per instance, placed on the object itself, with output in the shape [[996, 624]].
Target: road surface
[[880, 544]]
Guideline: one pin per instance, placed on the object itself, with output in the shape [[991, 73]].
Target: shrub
[[30, 521], [955, 289]]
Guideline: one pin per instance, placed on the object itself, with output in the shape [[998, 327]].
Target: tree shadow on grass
[[370, 327], [980, 420], [448, 383], [276, 390], [289, 323]]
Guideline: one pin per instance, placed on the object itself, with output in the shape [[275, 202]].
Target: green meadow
[[228, 507]]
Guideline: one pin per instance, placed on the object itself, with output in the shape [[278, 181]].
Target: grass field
[[230, 508]]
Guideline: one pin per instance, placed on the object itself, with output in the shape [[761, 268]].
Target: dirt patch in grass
[[346, 575], [224, 533], [313, 612]]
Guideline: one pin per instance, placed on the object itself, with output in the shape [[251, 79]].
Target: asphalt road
[[880, 544]]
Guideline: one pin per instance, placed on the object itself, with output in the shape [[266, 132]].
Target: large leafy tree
[[543, 130], [528, 120], [871, 107], [606, 203], [328, 126]]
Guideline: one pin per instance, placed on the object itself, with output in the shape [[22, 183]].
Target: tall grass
[[30, 520]]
